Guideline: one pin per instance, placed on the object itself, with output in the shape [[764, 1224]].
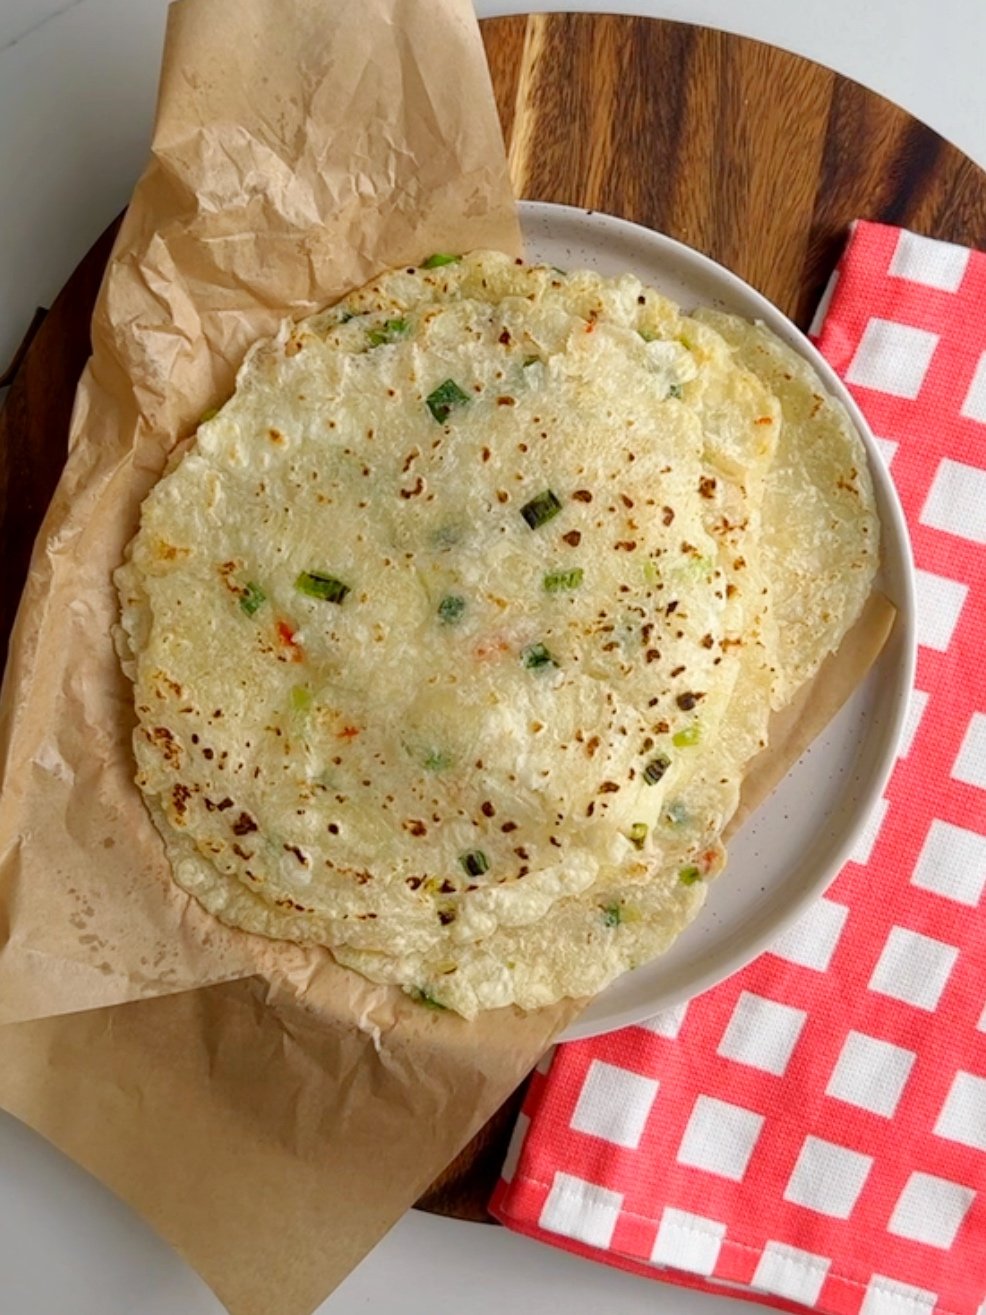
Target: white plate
[[787, 854]]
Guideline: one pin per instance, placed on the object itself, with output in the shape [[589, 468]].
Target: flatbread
[[453, 631]]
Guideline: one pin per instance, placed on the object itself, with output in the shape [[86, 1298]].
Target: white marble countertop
[[77, 85]]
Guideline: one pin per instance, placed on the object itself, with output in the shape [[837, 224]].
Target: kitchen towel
[[812, 1132]]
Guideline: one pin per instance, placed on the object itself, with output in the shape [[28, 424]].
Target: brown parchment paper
[[268, 1112]]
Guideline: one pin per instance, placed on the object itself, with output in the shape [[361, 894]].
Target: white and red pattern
[[813, 1131]]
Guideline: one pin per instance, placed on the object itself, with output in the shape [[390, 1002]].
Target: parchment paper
[[268, 1112]]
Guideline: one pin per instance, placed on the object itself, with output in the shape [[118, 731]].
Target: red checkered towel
[[812, 1132]]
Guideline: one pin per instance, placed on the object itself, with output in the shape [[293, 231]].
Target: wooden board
[[759, 158]]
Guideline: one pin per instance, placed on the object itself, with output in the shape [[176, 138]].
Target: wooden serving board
[[756, 157]]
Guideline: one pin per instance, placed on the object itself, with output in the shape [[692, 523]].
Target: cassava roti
[[453, 631]]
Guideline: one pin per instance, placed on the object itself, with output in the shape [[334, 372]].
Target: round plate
[[789, 851]]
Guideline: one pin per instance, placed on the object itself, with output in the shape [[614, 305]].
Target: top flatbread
[[454, 629]]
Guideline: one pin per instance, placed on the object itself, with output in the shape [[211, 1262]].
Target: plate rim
[[892, 521]]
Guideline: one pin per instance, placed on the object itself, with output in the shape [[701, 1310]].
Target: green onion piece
[[326, 587], [531, 360], [656, 768], [444, 400], [475, 862], [685, 738], [638, 834], [535, 656], [425, 998], [648, 335], [612, 914], [301, 698], [346, 315], [558, 270], [389, 332], [446, 536], [438, 259], [689, 875], [675, 814], [450, 609], [211, 414], [556, 582], [540, 510], [651, 573], [676, 390], [438, 761], [252, 598]]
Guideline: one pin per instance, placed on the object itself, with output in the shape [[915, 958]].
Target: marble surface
[[77, 84]]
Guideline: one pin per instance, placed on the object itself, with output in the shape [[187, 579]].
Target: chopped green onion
[[425, 998], [438, 259], [326, 587], [540, 510], [612, 914], [211, 414], [638, 834], [450, 609], [535, 656], [676, 390], [301, 698], [656, 768], [648, 335], [558, 581], [689, 875], [475, 862], [531, 360], [447, 535], [346, 315], [252, 598], [651, 573], [685, 738], [444, 400], [389, 332], [558, 270], [438, 761]]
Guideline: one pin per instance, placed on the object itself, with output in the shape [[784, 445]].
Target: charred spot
[[180, 796], [415, 826], [667, 515], [686, 702], [573, 538], [299, 855], [582, 495], [244, 824], [608, 787], [487, 809], [508, 827], [707, 486]]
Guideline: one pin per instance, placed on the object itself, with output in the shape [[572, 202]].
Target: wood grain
[[757, 157]]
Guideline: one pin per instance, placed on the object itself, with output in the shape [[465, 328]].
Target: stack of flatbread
[[453, 633]]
